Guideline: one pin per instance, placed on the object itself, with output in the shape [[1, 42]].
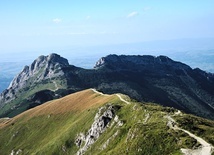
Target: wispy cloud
[[132, 14], [57, 20]]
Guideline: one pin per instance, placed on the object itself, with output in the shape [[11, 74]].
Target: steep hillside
[[144, 78], [89, 122], [44, 74]]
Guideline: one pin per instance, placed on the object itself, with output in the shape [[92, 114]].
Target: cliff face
[[43, 68]]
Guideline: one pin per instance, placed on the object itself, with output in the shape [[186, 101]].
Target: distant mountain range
[[144, 78]]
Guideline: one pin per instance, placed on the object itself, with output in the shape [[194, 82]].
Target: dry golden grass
[[76, 102]]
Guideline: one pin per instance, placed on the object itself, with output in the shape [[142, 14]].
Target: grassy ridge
[[52, 128], [46, 128]]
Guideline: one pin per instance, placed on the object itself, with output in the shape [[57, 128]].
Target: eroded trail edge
[[205, 149]]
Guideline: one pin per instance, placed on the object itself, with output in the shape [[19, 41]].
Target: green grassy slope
[[19, 104], [52, 128]]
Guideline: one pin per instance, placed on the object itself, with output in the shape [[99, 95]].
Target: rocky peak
[[126, 61], [57, 59], [44, 67], [50, 60]]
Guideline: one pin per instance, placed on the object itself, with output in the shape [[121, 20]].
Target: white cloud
[[132, 14], [57, 20]]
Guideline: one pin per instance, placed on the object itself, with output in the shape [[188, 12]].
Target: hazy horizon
[[51, 25], [197, 53]]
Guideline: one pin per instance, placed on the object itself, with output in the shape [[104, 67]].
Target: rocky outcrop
[[44, 67], [101, 121], [16, 152], [127, 61]]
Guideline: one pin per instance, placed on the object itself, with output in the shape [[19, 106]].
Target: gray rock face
[[126, 61], [101, 121], [48, 64], [44, 67]]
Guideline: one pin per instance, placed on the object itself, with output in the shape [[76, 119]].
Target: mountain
[[160, 80], [44, 74], [89, 122], [144, 78]]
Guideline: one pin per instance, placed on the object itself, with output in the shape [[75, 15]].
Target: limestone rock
[[101, 121], [44, 67]]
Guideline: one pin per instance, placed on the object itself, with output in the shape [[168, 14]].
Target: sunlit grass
[[52, 128]]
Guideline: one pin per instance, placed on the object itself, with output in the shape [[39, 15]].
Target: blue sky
[[49, 24]]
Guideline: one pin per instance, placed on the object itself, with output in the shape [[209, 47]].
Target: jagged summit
[[57, 59], [43, 68], [52, 59], [127, 61], [49, 64]]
